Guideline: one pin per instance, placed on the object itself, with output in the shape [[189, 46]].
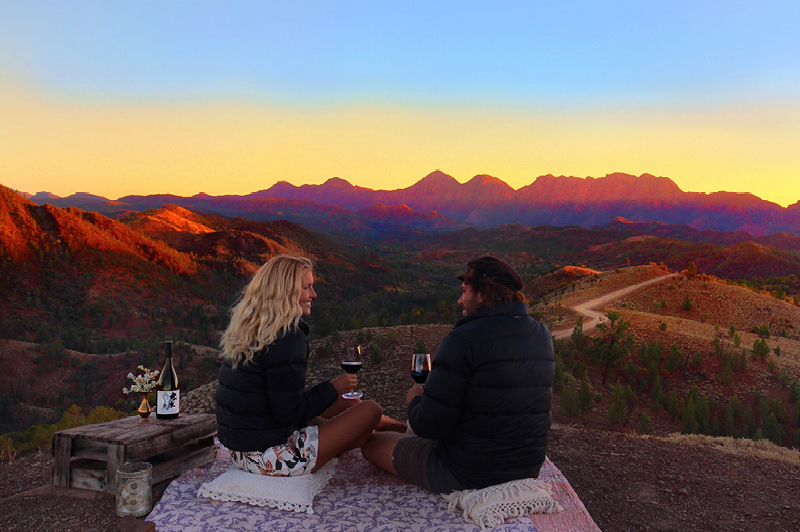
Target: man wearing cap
[[484, 413]]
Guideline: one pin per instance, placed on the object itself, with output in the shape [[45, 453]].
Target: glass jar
[[133, 489]]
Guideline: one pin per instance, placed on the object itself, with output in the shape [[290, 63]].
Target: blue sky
[[732, 67]]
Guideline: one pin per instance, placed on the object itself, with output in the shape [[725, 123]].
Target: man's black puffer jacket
[[487, 399], [261, 403]]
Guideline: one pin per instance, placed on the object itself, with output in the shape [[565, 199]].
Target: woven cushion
[[285, 493], [489, 507]]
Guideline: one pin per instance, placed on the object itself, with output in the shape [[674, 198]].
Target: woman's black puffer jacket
[[487, 399], [261, 403]]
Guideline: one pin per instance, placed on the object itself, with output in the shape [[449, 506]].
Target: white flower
[[142, 383]]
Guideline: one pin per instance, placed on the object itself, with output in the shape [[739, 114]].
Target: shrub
[[727, 371], [761, 349], [644, 423], [375, 352], [771, 365], [620, 404], [658, 395], [687, 304], [585, 399], [671, 405], [570, 405], [326, 349], [794, 392]]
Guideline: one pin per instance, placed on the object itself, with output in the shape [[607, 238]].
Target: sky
[[148, 97]]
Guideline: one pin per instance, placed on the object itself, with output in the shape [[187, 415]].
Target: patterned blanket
[[359, 497]]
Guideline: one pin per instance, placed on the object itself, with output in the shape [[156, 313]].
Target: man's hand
[[415, 391], [345, 383]]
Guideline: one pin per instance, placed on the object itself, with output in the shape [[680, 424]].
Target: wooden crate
[[88, 457]]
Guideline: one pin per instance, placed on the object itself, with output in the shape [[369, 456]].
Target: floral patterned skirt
[[296, 457]]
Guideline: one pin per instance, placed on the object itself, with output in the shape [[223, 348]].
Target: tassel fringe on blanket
[[489, 507]]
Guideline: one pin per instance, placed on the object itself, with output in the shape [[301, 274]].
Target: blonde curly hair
[[269, 306]]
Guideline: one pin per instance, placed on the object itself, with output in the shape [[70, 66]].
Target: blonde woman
[[265, 416]]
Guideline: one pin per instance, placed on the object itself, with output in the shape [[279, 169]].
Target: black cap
[[496, 270]]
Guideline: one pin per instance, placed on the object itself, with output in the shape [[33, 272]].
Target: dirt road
[[589, 308]]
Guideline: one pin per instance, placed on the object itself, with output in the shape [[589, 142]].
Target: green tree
[[689, 418], [614, 344], [749, 425], [620, 404], [687, 304], [570, 404], [727, 371], [585, 399], [702, 412], [671, 405], [729, 422], [375, 353], [794, 392], [658, 395], [761, 349], [644, 423]]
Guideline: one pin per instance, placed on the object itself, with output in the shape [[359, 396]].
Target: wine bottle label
[[169, 402]]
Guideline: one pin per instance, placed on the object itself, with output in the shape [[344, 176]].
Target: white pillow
[[489, 507], [285, 493]]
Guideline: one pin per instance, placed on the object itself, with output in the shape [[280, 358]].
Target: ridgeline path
[[589, 308]]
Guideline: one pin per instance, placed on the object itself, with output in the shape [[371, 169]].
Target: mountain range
[[438, 202]]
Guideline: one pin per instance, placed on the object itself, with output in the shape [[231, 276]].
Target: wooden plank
[[89, 474], [62, 447], [177, 464], [134, 433], [90, 430], [129, 429], [194, 422], [83, 448], [165, 442], [116, 457]]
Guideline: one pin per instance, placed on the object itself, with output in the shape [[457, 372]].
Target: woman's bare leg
[[343, 404], [338, 407], [350, 429], [378, 450]]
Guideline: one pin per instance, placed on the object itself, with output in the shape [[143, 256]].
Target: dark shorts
[[416, 462]]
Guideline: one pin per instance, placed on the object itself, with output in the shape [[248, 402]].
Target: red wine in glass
[[351, 366], [351, 363], [420, 367]]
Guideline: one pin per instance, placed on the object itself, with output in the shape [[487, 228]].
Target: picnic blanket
[[359, 497]]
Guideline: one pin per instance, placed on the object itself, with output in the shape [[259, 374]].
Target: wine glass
[[420, 367], [351, 363]]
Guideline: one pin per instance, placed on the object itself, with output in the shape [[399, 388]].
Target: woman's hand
[[345, 383], [415, 391]]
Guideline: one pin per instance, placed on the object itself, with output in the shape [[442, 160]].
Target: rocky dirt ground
[[627, 483]]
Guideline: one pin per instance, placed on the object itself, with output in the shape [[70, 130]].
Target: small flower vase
[[144, 408]]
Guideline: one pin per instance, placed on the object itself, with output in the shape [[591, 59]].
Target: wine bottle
[[168, 400]]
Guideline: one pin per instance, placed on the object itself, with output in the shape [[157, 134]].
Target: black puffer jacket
[[261, 403], [487, 399]]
